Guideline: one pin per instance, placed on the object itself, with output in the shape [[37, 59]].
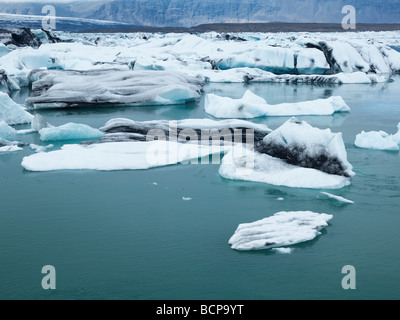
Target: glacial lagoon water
[[130, 234]]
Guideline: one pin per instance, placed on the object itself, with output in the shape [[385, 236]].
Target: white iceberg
[[252, 106], [38, 123], [379, 140], [59, 89], [117, 156], [281, 229], [300, 144], [258, 167], [9, 148], [11, 112], [70, 131]]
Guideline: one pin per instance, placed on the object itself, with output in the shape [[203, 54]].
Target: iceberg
[[60, 89], [38, 148], [252, 106], [298, 143], [379, 140], [253, 166], [7, 132], [70, 131], [38, 123], [11, 112], [117, 156], [281, 229], [197, 130]]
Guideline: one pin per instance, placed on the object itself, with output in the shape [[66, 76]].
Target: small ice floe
[[38, 148], [283, 250], [186, 199], [155, 184], [338, 198], [280, 199], [280, 230], [70, 131], [10, 148], [379, 140], [252, 106]]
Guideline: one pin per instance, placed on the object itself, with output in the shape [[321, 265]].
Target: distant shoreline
[[274, 27]]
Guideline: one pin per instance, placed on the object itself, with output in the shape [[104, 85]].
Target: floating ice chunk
[[38, 148], [186, 199], [338, 198], [38, 123], [70, 131], [300, 144], [121, 129], [281, 229], [7, 132], [283, 250], [10, 148], [251, 106], [378, 140], [11, 112], [58, 89], [257, 167], [117, 156], [280, 199]]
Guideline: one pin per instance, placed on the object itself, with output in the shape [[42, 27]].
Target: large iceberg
[[70, 131], [59, 89], [298, 143], [11, 112], [379, 140], [253, 166], [281, 229], [251, 106]]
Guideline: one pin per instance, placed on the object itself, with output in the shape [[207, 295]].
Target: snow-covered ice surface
[[11, 112], [59, 89], [252, 106], [379, 140], [117, 156], [337, 198], [281, 229], [70, 131]]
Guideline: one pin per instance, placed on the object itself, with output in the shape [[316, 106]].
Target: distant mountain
[[10, 21], [194, 12], [187, 13]]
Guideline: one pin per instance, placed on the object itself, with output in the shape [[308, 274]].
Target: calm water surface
[[117, 235]]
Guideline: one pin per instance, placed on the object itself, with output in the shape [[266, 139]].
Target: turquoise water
[[117, 235]]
